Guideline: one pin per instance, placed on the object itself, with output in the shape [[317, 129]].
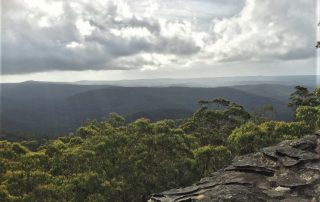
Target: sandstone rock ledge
[[287, 172]]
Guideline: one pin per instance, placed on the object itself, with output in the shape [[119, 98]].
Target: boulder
[[287, 172]]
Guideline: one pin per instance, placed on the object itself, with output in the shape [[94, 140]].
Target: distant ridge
[[307, 80], [50, 108]]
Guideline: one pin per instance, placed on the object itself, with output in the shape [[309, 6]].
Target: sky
[[58, 40]]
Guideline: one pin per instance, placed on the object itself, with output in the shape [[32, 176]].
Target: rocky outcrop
[[288, 172]]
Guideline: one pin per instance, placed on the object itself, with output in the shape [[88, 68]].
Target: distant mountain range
[[307, 80], [57, 108]]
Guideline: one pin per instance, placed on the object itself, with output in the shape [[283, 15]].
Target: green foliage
[[10, 150], [213, 125], [307, 106], [211, 158], [264, 114], [309, 115], [303, 97], [115, 120], [250, 137], [114, 161]]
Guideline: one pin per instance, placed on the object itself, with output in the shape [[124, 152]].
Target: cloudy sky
[[58, 40]]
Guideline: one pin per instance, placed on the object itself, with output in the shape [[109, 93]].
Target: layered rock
[[288, 172]]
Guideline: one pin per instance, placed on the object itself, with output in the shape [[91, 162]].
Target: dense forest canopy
[[112, 160]]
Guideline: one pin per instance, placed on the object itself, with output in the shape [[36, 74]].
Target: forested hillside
[[113, 160], [53, 109]]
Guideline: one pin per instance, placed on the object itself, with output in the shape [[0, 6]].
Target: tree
[[309, 115], [211, 125], [115, 120], [306, 105], [211, 158], [302, 97], [251, 137], [264, 114]]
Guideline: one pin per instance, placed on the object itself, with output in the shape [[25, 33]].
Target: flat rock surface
[[287, 172]]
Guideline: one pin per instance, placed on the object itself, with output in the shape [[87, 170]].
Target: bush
[[309, 115], [251, 137]]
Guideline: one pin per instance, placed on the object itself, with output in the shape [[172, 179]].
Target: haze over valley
[[53, 109]]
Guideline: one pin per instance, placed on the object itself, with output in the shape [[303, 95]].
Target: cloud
[[78, 35], [266, 30], [57, 35]]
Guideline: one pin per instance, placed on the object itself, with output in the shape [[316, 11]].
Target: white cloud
[[49, 8], [77, 35], [84, 27], [131, 32], [265, 30], [74, 45]]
